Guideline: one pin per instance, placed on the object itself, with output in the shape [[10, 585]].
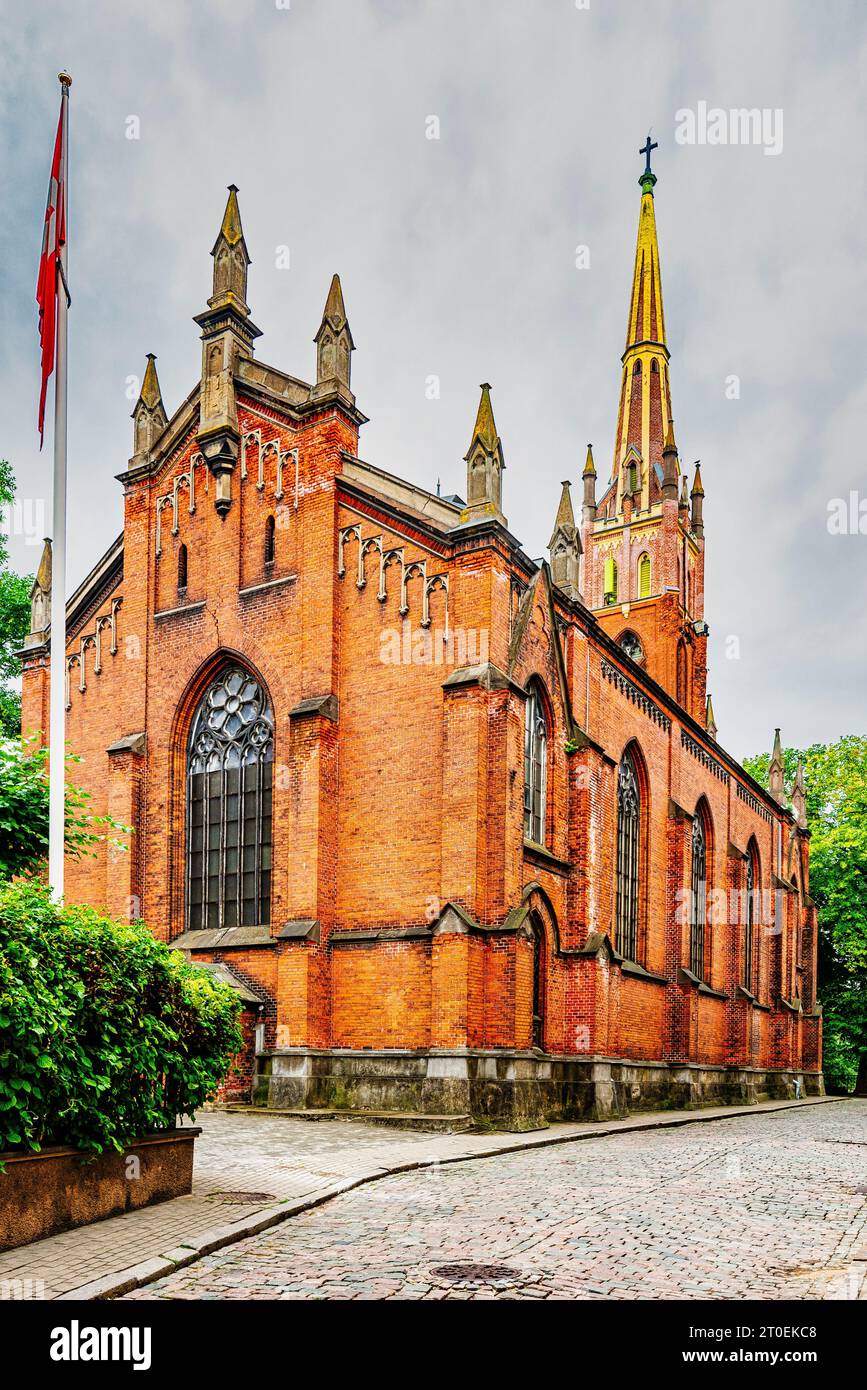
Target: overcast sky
[[457, 258]]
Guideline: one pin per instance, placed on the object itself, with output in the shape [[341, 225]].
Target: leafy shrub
[[105, 1033]]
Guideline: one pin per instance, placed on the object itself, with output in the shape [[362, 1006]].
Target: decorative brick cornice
[[754, 803], [632, 692], [702, 755]]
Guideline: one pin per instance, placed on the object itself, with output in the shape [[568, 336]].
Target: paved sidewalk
[[254, 1171]]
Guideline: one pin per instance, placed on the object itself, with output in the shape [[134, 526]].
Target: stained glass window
[[229, 782]]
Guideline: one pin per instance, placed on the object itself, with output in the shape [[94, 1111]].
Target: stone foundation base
[[510, 1090]]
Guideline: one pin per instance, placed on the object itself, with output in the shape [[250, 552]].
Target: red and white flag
[[53, 239]]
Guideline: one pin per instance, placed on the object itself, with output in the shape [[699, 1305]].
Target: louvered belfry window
[[628, 851], [699, 897], [535, 768], [229, 779]]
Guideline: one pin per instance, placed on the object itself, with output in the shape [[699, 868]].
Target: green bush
[[105, 1033]]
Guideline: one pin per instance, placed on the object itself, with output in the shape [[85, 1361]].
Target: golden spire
[[644, 413]]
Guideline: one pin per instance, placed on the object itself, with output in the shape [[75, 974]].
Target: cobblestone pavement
[[767, 1206]]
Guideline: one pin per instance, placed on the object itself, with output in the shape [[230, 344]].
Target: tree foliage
[[14, 615], [836, 783], [105, 1033], [24, 810]]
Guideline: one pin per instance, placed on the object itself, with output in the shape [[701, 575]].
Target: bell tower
[[643, 566]]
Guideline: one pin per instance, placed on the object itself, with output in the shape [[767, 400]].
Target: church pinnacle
[[485, 465], [565, 546], [334, 345], [228, 334], [149, 416]]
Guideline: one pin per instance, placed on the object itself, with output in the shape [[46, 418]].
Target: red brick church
[[455, 823]]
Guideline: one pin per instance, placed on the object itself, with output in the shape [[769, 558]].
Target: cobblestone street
[[771, 1206]]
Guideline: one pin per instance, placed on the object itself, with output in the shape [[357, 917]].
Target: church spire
[[799, 795], [334, 344], [149, 417], [227, 335], [697, 499], [565, 546], [231, 257], [644, 414], [776, 783], [40, 599], [485, 465]]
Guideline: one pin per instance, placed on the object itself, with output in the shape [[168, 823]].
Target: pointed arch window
[[698, 895], [182, 567], [751, 880], [631, 644], [230, 759], [270, 541], [644, 576], [535, 767], [628, 856]]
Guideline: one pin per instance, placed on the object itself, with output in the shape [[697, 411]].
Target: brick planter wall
[[43, 1193]]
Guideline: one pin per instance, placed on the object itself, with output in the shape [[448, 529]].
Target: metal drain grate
[[241, 1199], [478, 1274]]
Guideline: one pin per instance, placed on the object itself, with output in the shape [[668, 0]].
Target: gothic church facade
[[454, 823]]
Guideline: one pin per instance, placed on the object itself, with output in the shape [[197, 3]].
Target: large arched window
[[229, 770], [535, 766], [752, 880], [628, 855], [698, 896]]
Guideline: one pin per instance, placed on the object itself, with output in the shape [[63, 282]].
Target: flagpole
[[57, 714]]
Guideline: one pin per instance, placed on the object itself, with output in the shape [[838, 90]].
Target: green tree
[[24, 810], [836, 782], [14, 615]]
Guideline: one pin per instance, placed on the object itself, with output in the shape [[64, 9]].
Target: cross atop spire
[[648, 178], [646, 150]]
